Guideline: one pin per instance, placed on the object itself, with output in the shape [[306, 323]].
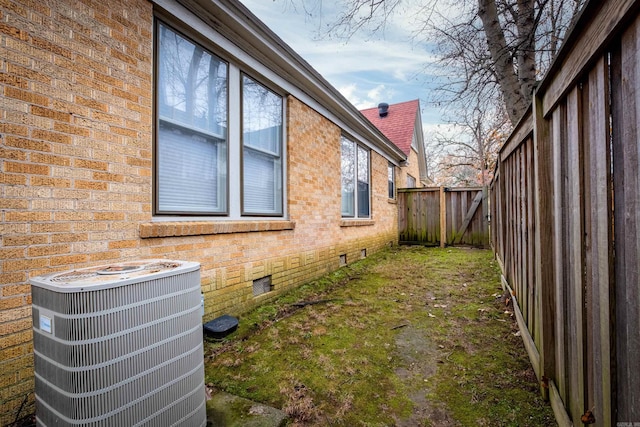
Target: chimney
[[383, 109]]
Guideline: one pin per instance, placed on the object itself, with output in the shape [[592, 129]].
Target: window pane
[[262, 184], [262, 140], [192, 84], [191, 171], [363, 182], [391, 171], [191, 138], [348, 166]]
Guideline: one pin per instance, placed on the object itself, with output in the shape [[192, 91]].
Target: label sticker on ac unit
[[45, 323]]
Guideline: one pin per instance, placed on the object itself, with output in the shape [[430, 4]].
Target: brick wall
[[413, 169], [75, 132], [76, 177]]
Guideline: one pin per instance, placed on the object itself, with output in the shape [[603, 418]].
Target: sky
[[368, 68]]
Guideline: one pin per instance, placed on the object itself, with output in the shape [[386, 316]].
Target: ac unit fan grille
[[84, 274]]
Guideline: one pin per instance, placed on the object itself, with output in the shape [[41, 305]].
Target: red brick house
[[139, 129], [402, 124]]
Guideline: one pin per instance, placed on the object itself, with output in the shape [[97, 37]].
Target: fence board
[[443, 218], [599, 251], [541, 278], [452, 214], [529, 239], [511, 235], [517, 230], [575, 187], [626, 183], [560, 237]]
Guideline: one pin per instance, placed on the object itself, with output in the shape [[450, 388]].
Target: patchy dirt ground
[[418, 356], [409, 337]]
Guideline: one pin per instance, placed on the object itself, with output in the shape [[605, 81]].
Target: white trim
[[233, 143], [171, 218], [235, 149]]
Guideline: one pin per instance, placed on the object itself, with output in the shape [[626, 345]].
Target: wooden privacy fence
[[443, 216], [565, 206]]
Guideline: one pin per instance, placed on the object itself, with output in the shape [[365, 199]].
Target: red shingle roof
[[398, 125]]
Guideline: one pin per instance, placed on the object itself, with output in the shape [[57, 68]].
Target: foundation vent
[[262, 286]]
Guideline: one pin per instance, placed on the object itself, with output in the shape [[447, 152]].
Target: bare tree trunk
[[479, 135], [525, 49], [515, 101]]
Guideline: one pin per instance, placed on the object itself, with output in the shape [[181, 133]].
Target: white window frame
[[355, 208], [182, 128], [234, 185], [275, 155]]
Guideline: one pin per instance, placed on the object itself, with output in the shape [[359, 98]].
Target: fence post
[[443, 218], [545, 315]]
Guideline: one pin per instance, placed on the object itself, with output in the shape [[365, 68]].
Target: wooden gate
[[443, 216]]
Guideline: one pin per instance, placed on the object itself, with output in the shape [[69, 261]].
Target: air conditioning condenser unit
[[119, 345]]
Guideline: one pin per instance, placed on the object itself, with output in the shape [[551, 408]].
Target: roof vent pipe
[[383, 109]]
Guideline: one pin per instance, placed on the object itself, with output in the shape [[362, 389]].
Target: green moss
[[405, 332]]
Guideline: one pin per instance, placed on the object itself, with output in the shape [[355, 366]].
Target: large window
[[192, 135], [355, 180], [218, 137], [262, 146]]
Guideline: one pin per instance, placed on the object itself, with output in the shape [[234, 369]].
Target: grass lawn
[[410, 336]]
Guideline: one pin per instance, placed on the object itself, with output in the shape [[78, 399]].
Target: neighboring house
[[184, 130], [402, 124]]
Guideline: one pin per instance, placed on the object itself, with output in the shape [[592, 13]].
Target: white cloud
[[379, 94], [392, 58], [366, 71], [376, 92], [365, 98], [350, 92]]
